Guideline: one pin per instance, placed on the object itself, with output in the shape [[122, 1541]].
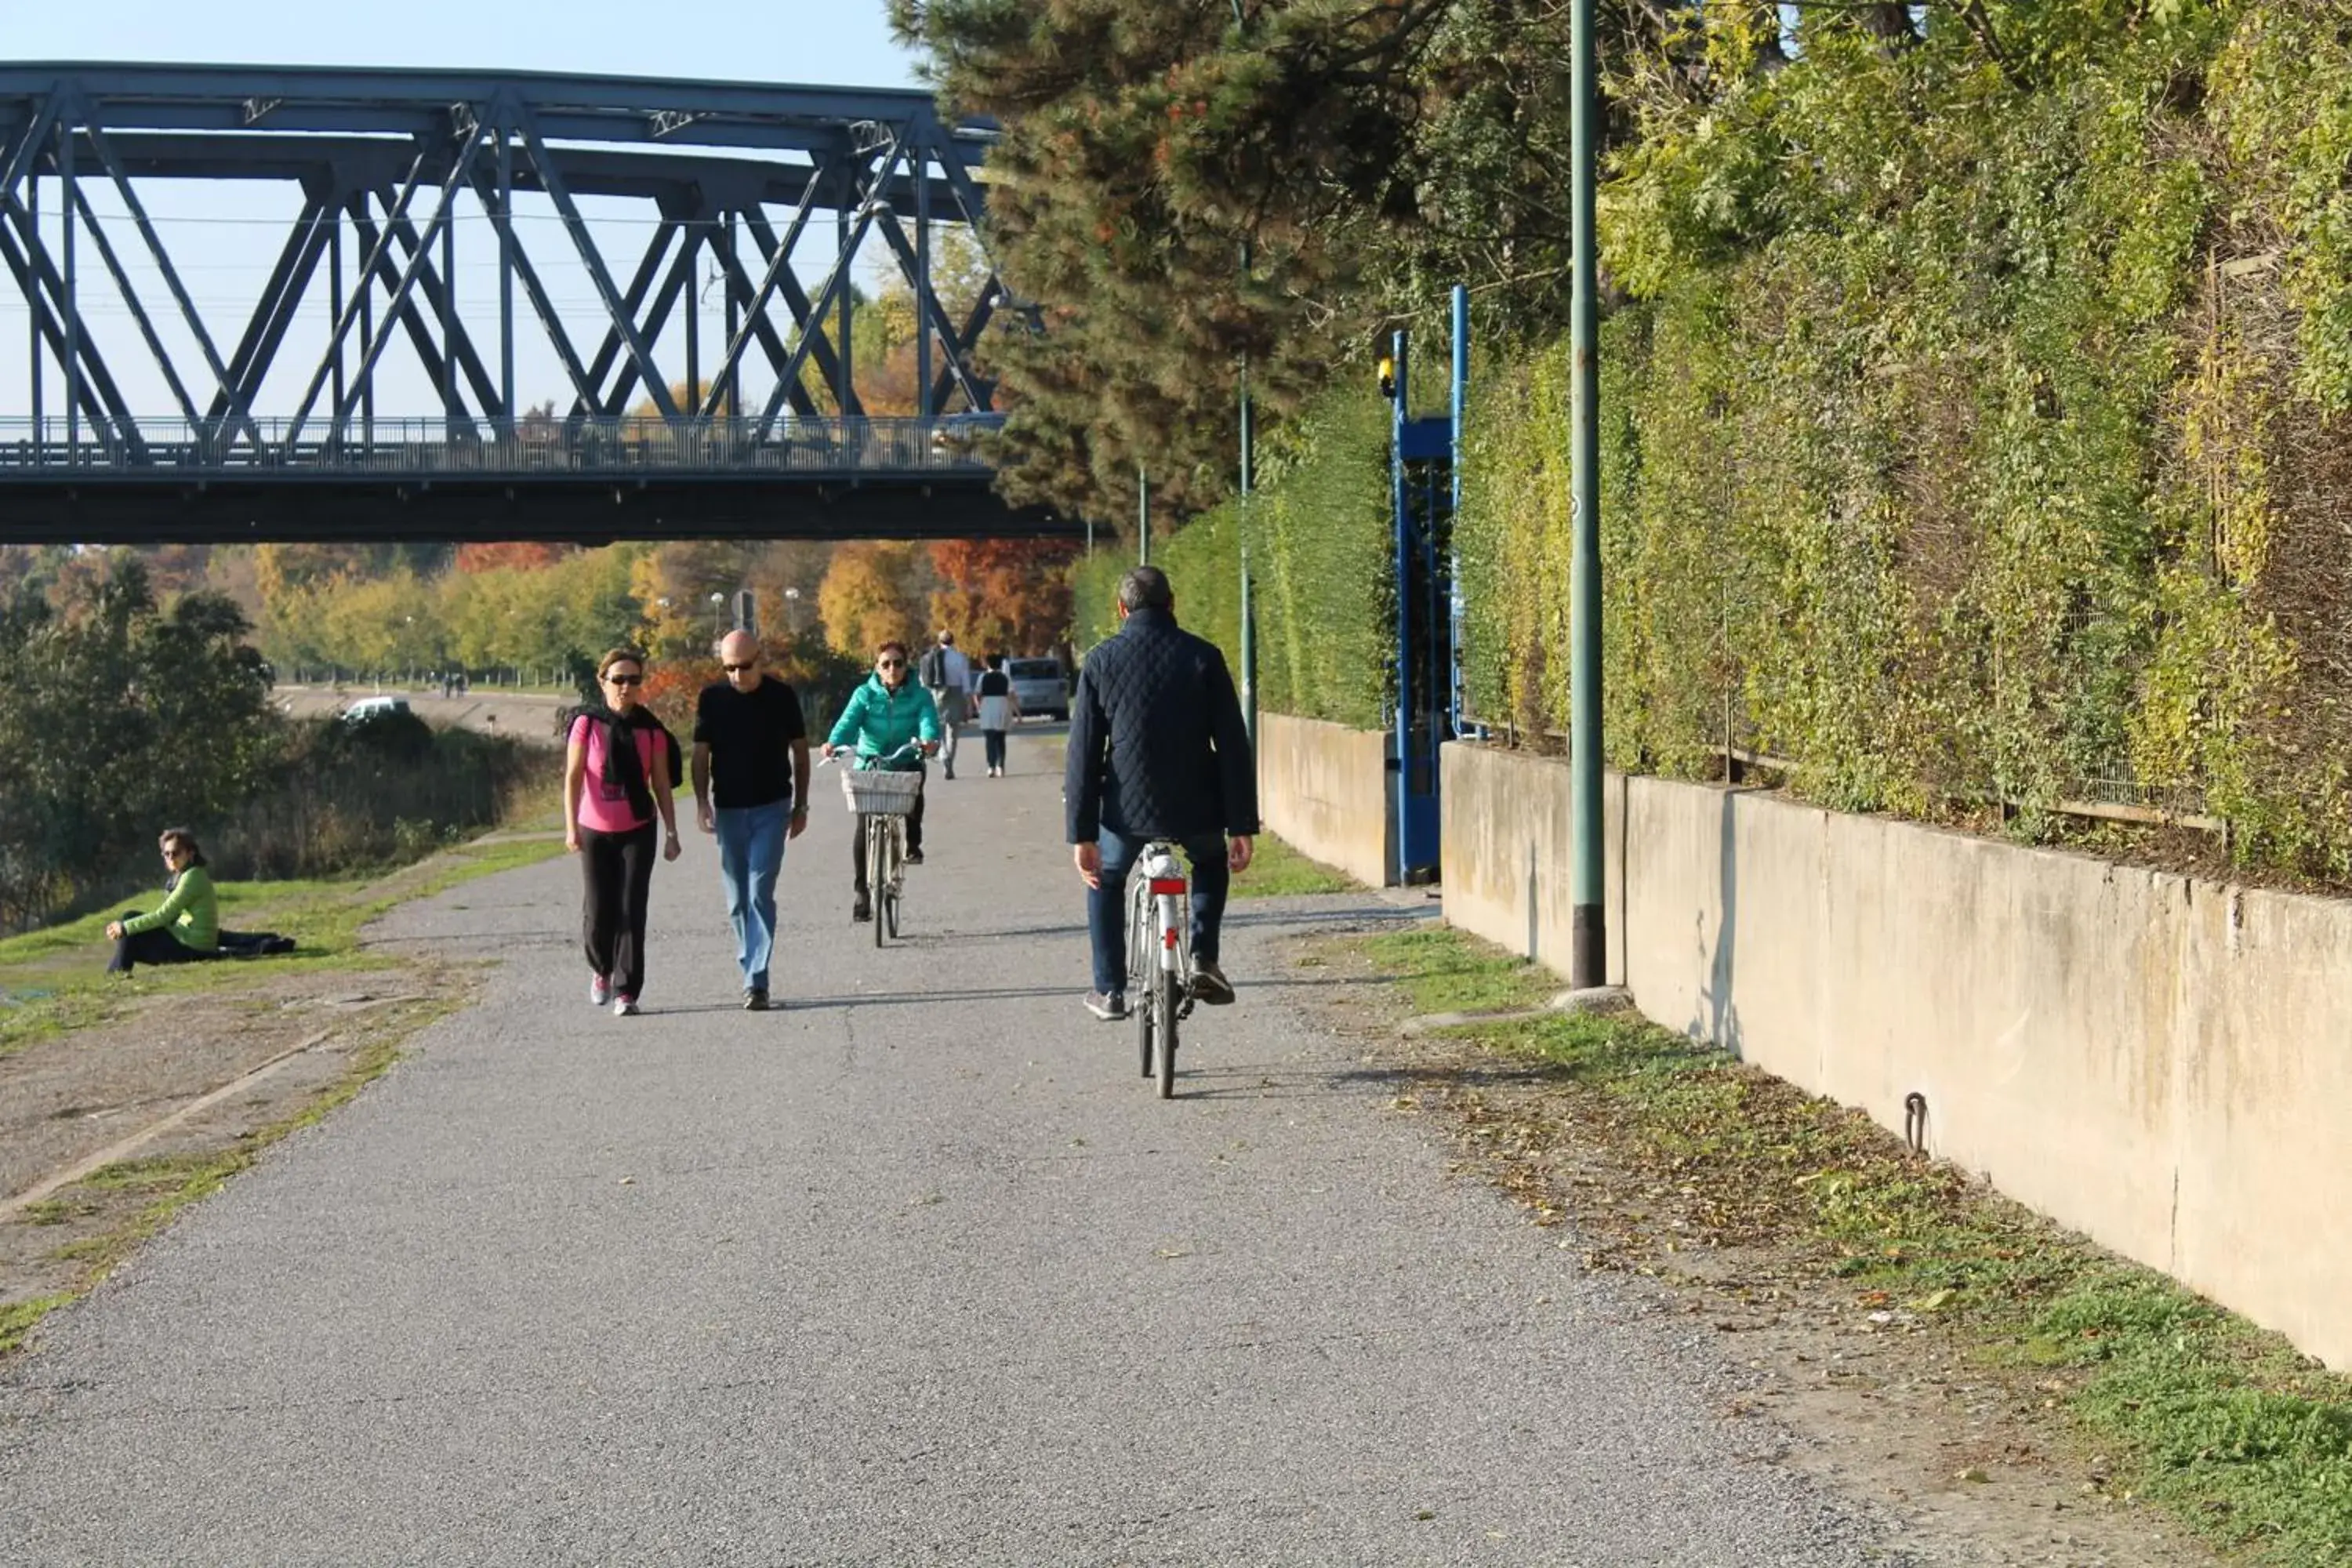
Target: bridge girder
[[734, 173]]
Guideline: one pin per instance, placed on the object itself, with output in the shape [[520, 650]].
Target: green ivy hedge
[[1972, 427], [1317, 534]]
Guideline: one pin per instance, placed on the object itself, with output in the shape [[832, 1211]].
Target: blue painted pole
[[1454, 514], [1399, 767]]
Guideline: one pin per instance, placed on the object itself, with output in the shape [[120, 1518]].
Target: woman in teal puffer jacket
[[884, 714]]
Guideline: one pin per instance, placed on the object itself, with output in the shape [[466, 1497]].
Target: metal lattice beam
[[381, 159]]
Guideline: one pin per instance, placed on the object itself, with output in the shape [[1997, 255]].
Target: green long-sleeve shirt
[[192, 913]]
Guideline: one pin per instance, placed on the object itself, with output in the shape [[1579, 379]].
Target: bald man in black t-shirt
[[750, 789]]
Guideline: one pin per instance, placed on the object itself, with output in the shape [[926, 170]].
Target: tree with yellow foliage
[[870, 595]]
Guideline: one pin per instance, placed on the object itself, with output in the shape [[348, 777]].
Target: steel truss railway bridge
[[748, 425]]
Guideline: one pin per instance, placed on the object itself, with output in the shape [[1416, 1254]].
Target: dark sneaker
[[754, 999], [862, 910], [914, 856], [1110, 1007], [1209, 986]]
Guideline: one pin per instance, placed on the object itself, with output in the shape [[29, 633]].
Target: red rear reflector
[[1167, 887], [1168, 938]]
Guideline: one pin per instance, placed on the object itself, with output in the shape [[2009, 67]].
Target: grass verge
[[1277, 870], [159, 1186], [2245, 1441], [54, 981]]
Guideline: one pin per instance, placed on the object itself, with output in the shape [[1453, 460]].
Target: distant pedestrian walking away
[[750, 789], [620, 768], [185, 927], [1156, 749], [999, 707], [947, 676]]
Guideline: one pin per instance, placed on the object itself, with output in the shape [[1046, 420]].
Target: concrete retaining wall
[[1324, 788], [2162, 1063]]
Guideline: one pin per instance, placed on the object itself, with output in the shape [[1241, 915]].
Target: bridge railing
[[548, 448]]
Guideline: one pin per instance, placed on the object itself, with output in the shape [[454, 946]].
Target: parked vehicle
[[958, 435], [1040, 687], [368, 708]]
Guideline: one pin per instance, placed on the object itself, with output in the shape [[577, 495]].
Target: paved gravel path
[[915, 1272]]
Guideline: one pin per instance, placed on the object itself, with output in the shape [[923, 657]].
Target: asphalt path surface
[[917, 1271]]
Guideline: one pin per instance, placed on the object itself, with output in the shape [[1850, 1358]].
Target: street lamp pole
[[1589, 935]]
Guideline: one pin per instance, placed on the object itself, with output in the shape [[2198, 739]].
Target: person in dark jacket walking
[[1157, 749]]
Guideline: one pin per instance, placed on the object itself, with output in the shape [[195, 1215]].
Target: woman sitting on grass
[[182, 929]]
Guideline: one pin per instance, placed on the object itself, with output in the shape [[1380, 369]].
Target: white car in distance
[[1039, 686]]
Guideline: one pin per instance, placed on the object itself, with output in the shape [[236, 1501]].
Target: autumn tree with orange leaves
[[1004, 595]]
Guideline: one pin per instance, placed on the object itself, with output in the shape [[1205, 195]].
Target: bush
[[1972, 432], [1318, 540]]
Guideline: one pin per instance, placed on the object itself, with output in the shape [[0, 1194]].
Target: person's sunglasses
[[735, 669], [624, 679], [890, 664]]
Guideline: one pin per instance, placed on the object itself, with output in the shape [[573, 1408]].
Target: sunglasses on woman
[[624, 679], [891, 664]]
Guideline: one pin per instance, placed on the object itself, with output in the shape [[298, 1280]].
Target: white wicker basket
[[881, 794]]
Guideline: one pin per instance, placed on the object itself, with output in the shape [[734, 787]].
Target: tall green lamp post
[[1589, 931]]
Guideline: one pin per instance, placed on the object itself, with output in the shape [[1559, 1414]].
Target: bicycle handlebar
[[911, 749]]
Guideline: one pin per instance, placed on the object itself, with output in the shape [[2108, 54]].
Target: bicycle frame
[[1160, 957], [1169, 894]]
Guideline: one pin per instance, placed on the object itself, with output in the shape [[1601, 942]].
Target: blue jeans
[[1106, 904], [751, 852]]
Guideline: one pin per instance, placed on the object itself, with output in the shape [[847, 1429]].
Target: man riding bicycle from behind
[[887, 714], [1157, 749]]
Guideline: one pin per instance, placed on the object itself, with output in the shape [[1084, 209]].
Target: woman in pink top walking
[[618, 770]]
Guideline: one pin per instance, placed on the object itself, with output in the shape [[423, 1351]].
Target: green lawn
[[1279, 871], [54, 979]]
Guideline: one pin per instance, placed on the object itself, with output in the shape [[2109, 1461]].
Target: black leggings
[[151, 947], [857, 842], [995, 742], [617, 871]]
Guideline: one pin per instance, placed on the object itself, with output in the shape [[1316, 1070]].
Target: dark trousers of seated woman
[[857, 840], [618, 869], [150, 947]]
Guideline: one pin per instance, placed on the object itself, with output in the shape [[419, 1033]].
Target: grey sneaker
[[1209, 986], [599, 991], [625, 1006], [1109, 1005]]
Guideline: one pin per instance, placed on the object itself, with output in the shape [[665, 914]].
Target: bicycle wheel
[[897, 875], [1140, 962], [877, 869], [1164, 1002]]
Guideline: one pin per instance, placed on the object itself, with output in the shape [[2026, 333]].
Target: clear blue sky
[[832, 41], [223, 236]]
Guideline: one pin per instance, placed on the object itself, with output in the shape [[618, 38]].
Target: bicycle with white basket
[[882, 799], [1159, 956]]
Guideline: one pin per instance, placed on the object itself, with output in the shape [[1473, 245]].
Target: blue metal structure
[[733, 176], [1421, 489]]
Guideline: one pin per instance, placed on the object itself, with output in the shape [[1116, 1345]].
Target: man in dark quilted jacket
[[1158, 750]]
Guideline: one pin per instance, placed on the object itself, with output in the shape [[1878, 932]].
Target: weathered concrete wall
[[2160, 1062], [1505, 849], [1324, 788]]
